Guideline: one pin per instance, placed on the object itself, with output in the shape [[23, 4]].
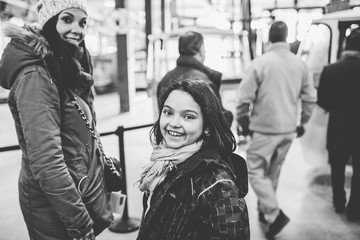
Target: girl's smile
[[181, 123], [71, 25]]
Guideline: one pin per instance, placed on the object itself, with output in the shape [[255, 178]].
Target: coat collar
[[206, 157], [350, 54], [191, 62]]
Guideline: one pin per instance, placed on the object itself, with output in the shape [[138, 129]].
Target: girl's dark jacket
[[58, 150], [197, 200]]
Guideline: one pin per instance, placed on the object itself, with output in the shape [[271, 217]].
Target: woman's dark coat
[[58, 150], [197, 200]]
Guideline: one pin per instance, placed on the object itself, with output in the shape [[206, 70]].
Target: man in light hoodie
[[267, 108]]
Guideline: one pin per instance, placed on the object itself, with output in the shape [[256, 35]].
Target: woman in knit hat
[[61, 180]]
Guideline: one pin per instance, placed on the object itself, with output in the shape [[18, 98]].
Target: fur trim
[[29, 35]]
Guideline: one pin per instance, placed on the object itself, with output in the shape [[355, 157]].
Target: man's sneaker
[[279, 223], [262, 218]]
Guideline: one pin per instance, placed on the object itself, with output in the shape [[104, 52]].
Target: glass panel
[[314, 50]]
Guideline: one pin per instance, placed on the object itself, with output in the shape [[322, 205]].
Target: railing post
[[125, 224]]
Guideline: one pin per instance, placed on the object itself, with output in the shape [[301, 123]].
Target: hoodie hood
[[27, 47]]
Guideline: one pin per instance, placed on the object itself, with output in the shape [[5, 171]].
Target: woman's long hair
[[221, 135], [68, 60]]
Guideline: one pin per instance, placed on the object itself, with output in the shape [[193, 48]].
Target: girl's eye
[[166, 112], [189, 116], [66, 19], [83, 24]]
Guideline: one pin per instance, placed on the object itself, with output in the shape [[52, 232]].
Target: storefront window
[[314, 50]]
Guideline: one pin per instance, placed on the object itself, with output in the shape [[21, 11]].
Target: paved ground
[[303, 191]]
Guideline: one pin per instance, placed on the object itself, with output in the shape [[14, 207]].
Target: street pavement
[[304, 193]]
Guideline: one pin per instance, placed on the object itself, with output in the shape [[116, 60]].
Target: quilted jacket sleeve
[[221, 208], [37, 100]]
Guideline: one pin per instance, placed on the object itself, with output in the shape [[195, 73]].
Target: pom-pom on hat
[[46, 9], [190, 43]]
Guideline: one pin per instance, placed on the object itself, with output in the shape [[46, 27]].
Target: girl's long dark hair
[[221, 135], [68, 60]]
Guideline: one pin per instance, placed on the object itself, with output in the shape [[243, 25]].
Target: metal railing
[[124, 224]]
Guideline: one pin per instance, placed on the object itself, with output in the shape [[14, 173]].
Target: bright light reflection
[[109, 4]]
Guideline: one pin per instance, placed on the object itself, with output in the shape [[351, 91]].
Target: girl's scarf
[[162, 161]]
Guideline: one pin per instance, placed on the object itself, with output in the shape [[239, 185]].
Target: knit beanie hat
[[47, 9], [190, 43]]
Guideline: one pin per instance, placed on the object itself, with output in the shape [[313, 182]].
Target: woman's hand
[[89, 236]]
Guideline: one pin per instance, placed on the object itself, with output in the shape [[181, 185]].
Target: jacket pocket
[[77, 168]]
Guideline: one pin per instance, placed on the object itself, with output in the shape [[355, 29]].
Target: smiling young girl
[[190, 183], [61, 180]]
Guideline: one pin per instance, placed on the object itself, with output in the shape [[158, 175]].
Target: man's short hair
[[353, 40], [190, 43], [278, 32]]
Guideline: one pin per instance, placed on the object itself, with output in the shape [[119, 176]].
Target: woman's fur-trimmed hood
[[29, 35], [27, 47]]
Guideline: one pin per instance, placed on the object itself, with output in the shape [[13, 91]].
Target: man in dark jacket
[[338, 94], [191, 59]]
